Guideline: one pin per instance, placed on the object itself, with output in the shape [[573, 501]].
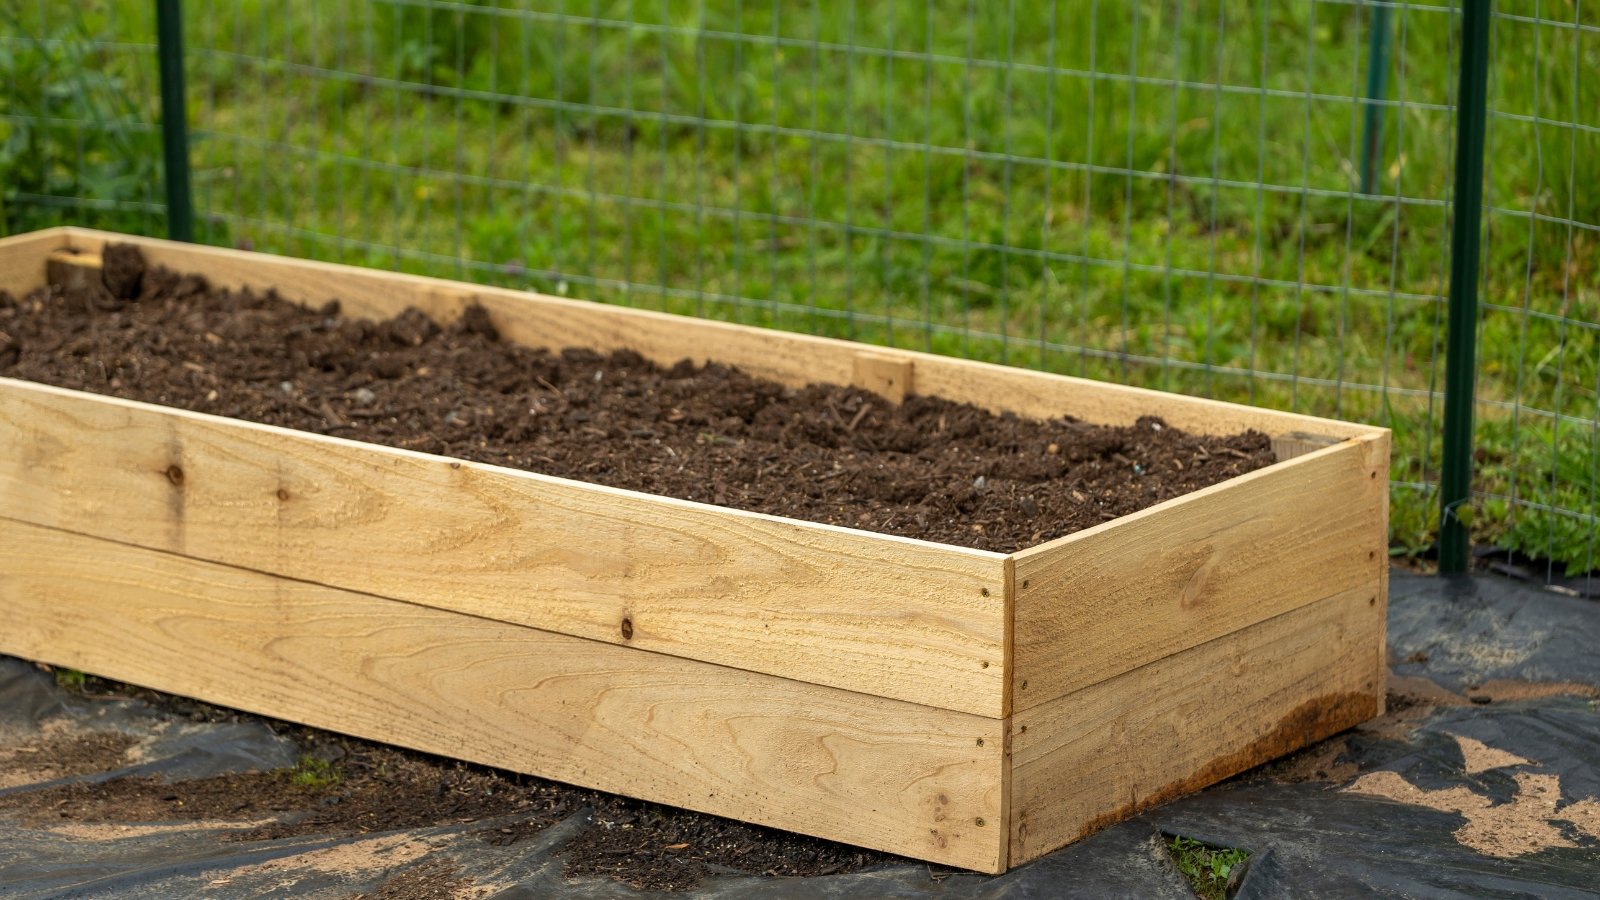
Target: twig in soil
[[862, 414], [553, 389], [306, 408], [334, 419]]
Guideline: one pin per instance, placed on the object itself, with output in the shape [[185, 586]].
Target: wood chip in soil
[[927, 468]]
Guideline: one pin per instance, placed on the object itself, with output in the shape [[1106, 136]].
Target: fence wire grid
[[1240, 199]]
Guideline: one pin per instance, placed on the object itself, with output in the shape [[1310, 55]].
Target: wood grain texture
[[794, 359], [887, 616], [1100, 602], [886, 376], [22, 259], [874, 772], [1299, 443], [1379, 453], [1102, 754]]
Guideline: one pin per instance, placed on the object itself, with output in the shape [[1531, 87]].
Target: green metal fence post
[[1455, 477], [174, 120], [1377, 89]]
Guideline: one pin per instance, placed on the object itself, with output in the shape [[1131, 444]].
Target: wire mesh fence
[[1242, 199]]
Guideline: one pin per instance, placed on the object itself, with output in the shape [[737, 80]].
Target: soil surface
[[927, 468], [63, 755], [432, 880]]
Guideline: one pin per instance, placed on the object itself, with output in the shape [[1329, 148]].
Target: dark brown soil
[[431, 880], [372, 788], [68, 754], [657, 847], [927, 468]]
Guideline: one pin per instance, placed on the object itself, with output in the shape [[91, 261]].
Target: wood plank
[[883, 375], [874, 772], [74, 271], [883, 615], [1298, 443], [1102, 754], [22, 259], [1108, 599], [542, 321]]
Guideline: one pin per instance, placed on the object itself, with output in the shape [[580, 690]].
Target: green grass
[[715, 158], [1206, 868]]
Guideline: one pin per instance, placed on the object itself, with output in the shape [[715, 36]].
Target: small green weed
[[314, 774], [71, 679], [1207, 868]]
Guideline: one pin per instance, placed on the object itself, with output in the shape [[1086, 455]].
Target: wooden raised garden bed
[[972, 708]]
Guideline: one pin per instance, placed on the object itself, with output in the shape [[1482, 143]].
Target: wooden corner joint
[[1299, 443], [72, 269], [444, 303], [884, 374]]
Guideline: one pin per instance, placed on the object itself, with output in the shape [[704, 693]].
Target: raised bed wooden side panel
[[1138, 589], [22, 259], [1098, 755], [880, 773], [886, 616]]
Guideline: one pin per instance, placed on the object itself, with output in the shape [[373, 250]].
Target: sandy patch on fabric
[[1530, 822]]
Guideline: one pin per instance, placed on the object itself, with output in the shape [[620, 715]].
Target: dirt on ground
[[376, 789], [344, 787], [432, 880], [927, 468], [62, 754]]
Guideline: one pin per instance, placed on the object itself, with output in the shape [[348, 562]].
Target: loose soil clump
[[927, 468]]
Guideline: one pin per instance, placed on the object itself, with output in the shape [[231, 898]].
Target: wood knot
[[627, 629], [1194, 590], [283, 494], [174, 474]]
